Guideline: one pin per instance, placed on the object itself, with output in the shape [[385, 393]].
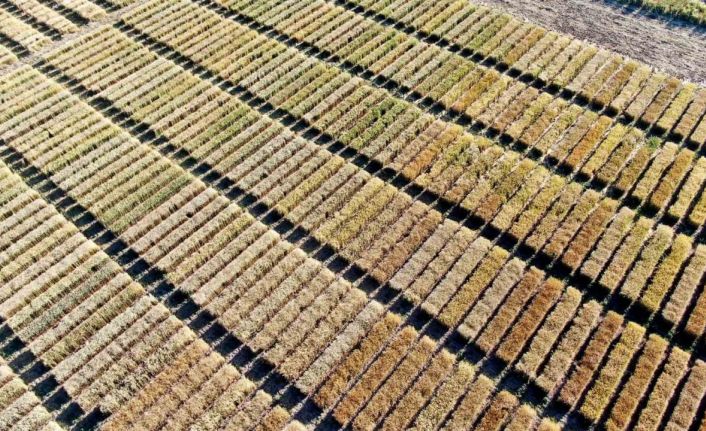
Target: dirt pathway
[[671, 45]]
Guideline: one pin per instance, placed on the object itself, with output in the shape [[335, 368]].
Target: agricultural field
[[347, 214]]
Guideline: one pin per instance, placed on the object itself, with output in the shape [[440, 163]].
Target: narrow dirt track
[[674, 46]]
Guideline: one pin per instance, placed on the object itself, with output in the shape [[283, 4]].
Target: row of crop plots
[[574, 137], [41, 17], [21, 33], [353, 353], [302, 317], [583, 142], [355, 202], [28, 26], [598, 76], [602, 78], [593, 235], [95, 335]]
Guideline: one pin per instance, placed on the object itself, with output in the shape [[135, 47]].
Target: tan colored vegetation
[[549, 332], [683, 293], [493, 333], [113, 346], [612, 371], [674, 370], [444, 398], [685, 411], [441, 365], [470, 407], [635, 388], [529, 320]]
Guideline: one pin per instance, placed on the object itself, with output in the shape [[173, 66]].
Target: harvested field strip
[[484, 232], [82, 388], [557, 158], [156, 278]]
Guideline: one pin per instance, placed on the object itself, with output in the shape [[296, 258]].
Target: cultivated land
[[309, 214], [672, 43]]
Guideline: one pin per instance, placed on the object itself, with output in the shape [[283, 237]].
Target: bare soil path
[[672, 45]]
